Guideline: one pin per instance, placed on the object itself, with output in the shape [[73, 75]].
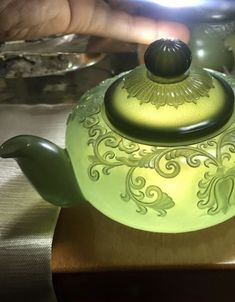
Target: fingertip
[[150, 31], [173, 31]]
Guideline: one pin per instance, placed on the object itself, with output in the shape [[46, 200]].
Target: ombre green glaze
[[179, 177]]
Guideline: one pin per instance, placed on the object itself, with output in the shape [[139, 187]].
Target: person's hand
[[28, 19]]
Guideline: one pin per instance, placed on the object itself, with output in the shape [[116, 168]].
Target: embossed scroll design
[[140, 86], [216, 190], [104, 143]]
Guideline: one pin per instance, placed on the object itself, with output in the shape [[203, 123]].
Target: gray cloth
[[27, 222]]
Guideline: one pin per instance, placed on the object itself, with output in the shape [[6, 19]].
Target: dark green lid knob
[[168, 58]]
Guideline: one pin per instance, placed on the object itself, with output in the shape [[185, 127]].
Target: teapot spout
[[47, 166]]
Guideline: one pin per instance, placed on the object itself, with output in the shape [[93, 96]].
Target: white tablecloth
[[27, 222]]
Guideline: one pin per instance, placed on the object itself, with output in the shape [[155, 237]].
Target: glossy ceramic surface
[[160, 189]]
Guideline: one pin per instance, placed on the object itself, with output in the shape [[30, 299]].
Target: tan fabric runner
[[27, 222]]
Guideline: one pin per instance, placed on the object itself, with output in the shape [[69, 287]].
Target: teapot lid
[[166, 101]]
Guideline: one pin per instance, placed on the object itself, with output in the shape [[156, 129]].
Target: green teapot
[[153, 148]]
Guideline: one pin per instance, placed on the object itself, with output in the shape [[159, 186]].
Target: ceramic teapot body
[[172, 183], [159, 189]]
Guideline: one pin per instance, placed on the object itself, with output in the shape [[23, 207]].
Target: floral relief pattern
[[137, 189], [216, 191], [189, 90], [160, 201]]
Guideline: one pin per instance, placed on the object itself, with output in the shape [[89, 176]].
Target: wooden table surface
[[97, 258]]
